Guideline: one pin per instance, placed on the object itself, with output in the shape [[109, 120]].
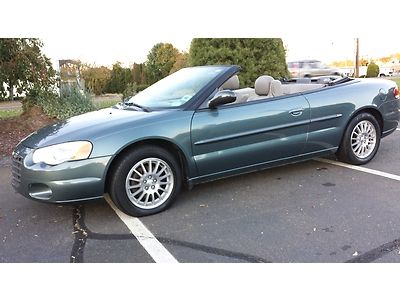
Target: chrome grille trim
[[16, 170]]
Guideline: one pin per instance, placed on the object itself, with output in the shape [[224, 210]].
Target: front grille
[[16, 170]]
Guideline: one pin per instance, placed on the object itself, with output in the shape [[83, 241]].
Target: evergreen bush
[[256, 56], [372, 70]]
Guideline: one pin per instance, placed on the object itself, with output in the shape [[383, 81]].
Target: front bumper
[[66, 182]]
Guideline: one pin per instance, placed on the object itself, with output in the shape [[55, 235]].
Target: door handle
[[296, 112]]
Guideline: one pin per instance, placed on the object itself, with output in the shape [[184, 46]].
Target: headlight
[[57, 154]]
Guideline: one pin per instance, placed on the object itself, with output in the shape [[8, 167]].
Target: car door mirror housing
[[221, 98]]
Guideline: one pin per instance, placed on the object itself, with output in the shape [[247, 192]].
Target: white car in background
[[384, 72], [310, 68]]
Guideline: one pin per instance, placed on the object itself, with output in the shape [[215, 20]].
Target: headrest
[[231, 84], [276, 88], [262, 85]]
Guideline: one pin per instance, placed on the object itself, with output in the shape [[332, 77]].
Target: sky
[[103, 32], [327, 49]]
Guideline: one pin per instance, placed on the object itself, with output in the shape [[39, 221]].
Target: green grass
[[397, 80], [10, 113], [105, 104]]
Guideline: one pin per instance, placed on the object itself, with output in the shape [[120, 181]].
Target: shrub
[[372, 70], [71, 102], [141, 87], [130, 90]]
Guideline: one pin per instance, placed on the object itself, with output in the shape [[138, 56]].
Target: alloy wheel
[[149, 183], [363, 139]]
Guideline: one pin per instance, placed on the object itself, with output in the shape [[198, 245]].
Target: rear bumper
[[67, 182], [387, 132]]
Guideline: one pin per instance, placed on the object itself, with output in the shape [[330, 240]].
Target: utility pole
[[357, 70]]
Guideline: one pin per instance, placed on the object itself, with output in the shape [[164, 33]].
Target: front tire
[[361, 140], [145, 181]]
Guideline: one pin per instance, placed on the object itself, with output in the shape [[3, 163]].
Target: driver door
[[236, 137]]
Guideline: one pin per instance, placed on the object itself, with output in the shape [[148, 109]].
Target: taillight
[[396, 92]]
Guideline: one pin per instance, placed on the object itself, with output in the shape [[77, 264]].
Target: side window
[[317, 65], [313, 65]]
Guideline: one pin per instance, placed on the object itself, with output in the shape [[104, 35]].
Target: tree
[[119, 79], [181, 61], [343, 63], [138, 73], [96, 78], [24, 68], [256, 56], [160, 61], [386, 59], [364, 62]]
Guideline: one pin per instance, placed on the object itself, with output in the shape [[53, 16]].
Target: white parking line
[[149, 242], [358, 168], [397, 128]]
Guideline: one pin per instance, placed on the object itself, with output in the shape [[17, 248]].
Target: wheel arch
[[371, 110], [344, 152], [171, 147]]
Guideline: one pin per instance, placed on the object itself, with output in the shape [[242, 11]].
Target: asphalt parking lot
[[314, 211]]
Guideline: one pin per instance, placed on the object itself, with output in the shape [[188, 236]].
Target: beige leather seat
[[262, 87], [241, 94], [293, 88], [231, 84], [244, 94], [275, 89]]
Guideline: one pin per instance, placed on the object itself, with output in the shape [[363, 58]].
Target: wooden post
[[357, 70]]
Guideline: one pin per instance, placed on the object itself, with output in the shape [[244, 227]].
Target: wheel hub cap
[[363, 139], [149, 183]]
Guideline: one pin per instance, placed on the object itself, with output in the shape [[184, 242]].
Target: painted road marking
[[397, 128], [149, 242], [358, 168]]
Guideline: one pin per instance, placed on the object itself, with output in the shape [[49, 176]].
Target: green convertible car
[[198, 125]]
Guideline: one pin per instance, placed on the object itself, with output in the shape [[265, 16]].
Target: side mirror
[[221, 98]]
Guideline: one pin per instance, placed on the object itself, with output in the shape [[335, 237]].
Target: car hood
[[89, 126]]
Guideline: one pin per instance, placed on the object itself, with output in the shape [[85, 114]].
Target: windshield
[[177, 88]]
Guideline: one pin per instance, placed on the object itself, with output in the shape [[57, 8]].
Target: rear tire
[[146, 181], [361, 140]]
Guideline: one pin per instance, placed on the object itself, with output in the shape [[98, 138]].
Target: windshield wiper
[[144, 108]]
